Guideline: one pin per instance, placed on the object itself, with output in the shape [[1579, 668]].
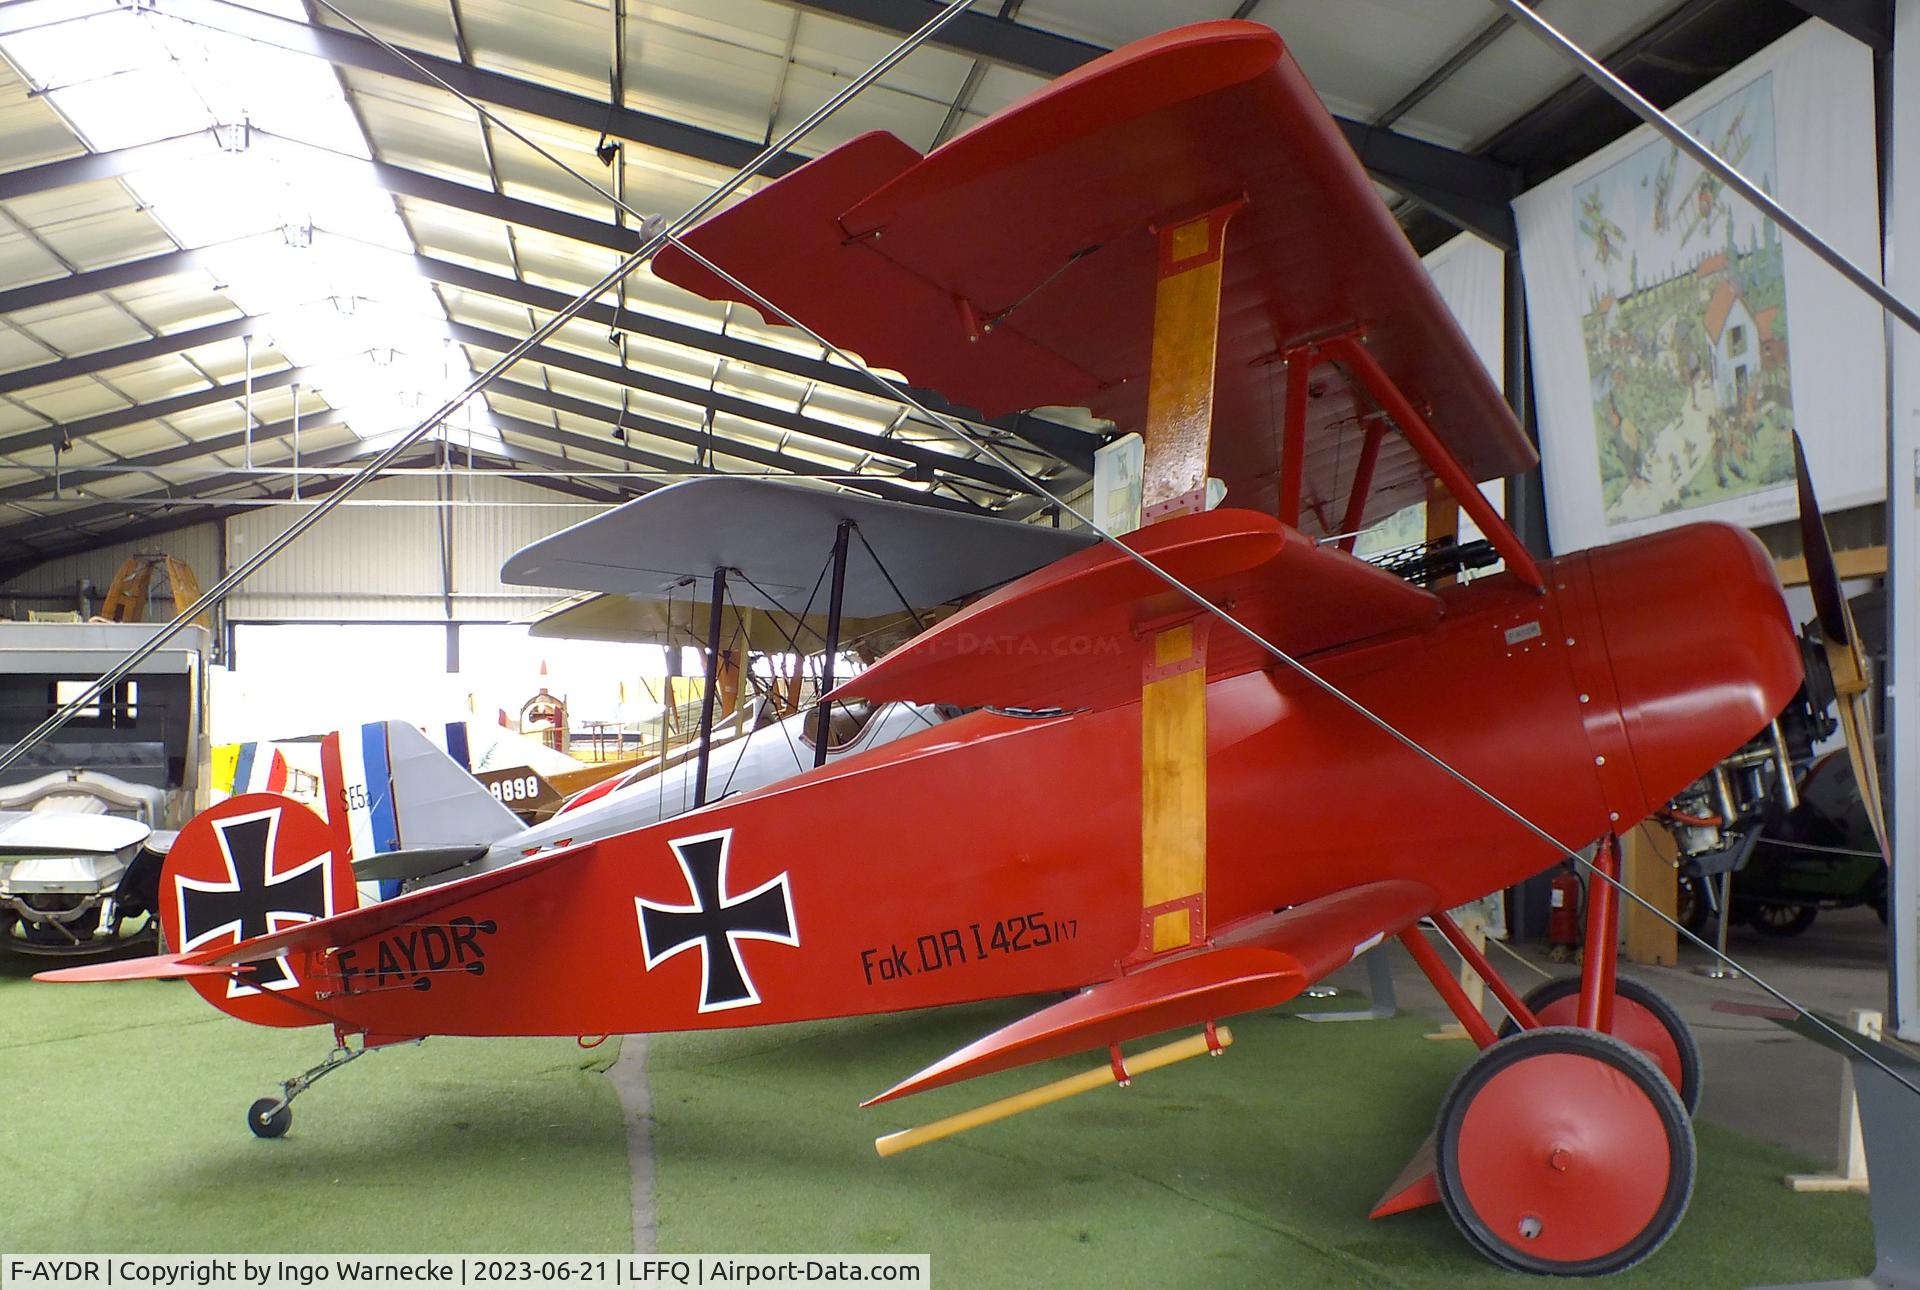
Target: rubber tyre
[[268, 1119], [1540, 1139], [1782, 920], [1557, 1003]]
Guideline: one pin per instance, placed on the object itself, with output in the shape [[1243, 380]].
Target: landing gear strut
[[1565, 1147], [271, 1117]]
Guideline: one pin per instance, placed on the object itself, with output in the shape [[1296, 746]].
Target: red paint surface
[[1043, 216], [1632, 1023], [990, 821], [1571, 1141]]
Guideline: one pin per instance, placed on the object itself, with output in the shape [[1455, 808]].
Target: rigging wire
[[899, 594], [987, 449], [655, 231], [661, 233], [1332, 691]]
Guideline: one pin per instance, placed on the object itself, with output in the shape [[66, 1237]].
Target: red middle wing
[[1074, 635]]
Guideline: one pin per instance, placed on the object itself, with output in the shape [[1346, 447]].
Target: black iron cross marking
[[254, 900], [716, 922]]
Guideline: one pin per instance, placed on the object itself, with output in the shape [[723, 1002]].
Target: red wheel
[[1640, 1016], [1564, 1151]]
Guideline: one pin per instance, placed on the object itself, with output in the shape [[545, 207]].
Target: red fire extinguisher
[[1564, 895]]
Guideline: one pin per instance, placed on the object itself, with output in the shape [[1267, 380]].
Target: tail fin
[[253, 865], [389, 788], [249, 768]]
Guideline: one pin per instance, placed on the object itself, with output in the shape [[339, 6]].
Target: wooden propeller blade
[[1844, 658], [1823, 578], [1854, 705]]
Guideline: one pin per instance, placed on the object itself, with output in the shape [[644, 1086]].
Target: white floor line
[[629, 1076]]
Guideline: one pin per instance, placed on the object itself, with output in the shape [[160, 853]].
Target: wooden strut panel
[[1186, 326], [1173, 691], [1173, 790]]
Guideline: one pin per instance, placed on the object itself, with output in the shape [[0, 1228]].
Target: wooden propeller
[[1852, 686]]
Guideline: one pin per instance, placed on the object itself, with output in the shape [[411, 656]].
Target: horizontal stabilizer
[[1075, 634], [413, 862], [157, 967], [1259, 964]]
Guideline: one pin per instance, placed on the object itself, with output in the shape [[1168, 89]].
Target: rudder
[[253, 865]]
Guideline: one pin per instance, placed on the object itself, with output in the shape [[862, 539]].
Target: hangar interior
[[246, 246]]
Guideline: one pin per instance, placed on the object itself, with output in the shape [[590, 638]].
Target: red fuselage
[[998, 855]]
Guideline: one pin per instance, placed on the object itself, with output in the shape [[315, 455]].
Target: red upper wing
[[1043, 215]]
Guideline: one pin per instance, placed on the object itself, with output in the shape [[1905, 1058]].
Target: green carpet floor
[[124, 1109], [1253, 1169], [125, 1130]]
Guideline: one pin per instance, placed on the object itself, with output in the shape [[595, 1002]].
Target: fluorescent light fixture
[[297, 229]]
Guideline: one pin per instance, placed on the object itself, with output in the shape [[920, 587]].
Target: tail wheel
[[270, 1117], [1564, 1151], [1641, 1017]]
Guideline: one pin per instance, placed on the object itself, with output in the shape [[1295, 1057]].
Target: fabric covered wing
[[1014, 267], [1258, 965], [1072, 635]]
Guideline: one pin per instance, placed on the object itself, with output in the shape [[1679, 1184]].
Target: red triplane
[[1139, 803]]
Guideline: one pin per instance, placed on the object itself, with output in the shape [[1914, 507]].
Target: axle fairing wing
[[1260, 964], [1014, 267]]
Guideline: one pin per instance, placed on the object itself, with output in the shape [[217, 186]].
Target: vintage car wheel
[[1782, 920], [1564, 1151]]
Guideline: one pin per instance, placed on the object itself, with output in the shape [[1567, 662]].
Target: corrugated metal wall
[[362, 562], [52, 586], [366, 562]]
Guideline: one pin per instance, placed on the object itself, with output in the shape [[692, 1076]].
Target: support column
[[1603, 935], [1474, 958], [1648, 869], [836, 595], [1362, 486], [1293, 447], [1364, 369], [1478, 1028], [1443, 523], [708, 695]]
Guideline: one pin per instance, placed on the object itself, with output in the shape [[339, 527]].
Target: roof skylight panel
[[297, 229]]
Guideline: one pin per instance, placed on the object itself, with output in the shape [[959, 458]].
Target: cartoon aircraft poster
[[1685, 326]]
